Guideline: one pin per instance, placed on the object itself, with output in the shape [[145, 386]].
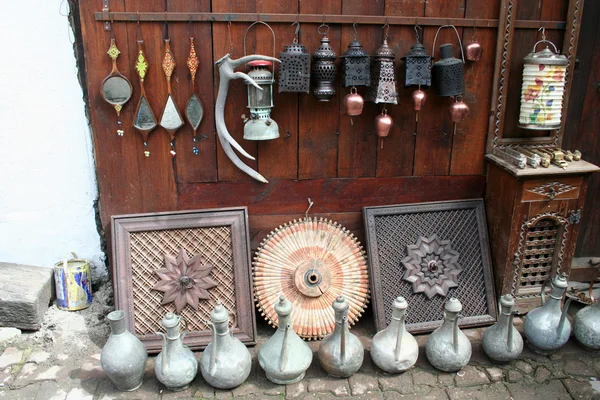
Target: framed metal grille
[[140, 243], [459, 231]]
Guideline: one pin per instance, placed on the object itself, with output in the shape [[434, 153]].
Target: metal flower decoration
[[431, 266], [184, 280]]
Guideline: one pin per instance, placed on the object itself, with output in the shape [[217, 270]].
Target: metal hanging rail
[[106, 16]]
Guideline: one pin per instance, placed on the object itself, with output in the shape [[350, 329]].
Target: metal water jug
[[226, 362], [341, 353], [284, 357], [586, 324], [175, 366], [448, 348], [502, 342], [393, 349], [547, 328]]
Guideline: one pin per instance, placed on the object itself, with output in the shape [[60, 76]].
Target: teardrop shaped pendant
[[145, 121], [194, 112], [171, 117]]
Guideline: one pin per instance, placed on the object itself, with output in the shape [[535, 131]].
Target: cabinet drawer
[[551, 189]]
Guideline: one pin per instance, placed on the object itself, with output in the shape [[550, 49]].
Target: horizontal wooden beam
[[287, 197], [316, 18]]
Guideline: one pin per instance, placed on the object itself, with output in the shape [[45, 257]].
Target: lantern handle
[[323, 25], [462, 53], [545, 41], [265, 24]]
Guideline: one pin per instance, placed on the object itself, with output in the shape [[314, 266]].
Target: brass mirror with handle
[[145, 121], [171, 118], [194, 112], [116, 89]]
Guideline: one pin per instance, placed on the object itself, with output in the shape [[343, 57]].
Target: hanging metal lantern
[[323, 68], [383, 78], [356, 64], [448, 73], [294, 70], [260, 126], [417, 64], [543, 88]]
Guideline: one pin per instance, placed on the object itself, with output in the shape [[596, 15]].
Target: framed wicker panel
[[219, 236], [429, 252]]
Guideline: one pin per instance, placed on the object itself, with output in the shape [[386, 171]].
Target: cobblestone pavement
[[571, 373]]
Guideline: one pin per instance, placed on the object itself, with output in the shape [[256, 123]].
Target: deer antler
[[226, 73]]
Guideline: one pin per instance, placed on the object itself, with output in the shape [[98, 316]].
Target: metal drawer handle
[[551, 193]]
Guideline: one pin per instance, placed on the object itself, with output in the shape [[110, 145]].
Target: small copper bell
[[418, 98], [383, 124], [354, 103], [459, 110], [474, 51]]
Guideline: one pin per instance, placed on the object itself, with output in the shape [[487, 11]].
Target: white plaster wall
[[47, 179]]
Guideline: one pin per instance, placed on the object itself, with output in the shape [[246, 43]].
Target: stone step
[[25, 293]]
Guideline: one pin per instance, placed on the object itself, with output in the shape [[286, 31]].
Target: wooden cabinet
[[533, 218]]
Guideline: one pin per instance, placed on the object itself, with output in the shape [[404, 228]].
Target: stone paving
[[571, 373]]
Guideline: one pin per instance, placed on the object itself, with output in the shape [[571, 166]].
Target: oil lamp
[[543, 87], [260, 126]]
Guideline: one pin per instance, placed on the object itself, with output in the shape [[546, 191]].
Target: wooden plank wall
[[320, 154]]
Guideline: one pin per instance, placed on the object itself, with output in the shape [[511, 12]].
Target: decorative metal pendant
[[294, 70], [145, 121], [116, 88], [356, 65], [323, 68], [171, 117], [194, 112], [383, 78]]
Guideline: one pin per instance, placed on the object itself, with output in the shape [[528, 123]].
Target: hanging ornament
[[260, 126], [356, 69], [383, 85], [449, 78], [171, 117], [294, 70], [116, 88], [474, 51], [145, 121], [417, 65], [323, 68], [543, 88], [194, 112]]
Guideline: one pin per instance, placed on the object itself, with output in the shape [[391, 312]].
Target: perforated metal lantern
[[383, 78], [448, 73], [417, 64], [543, 88], [356, 65], [260, 126], [323, 70], [294, 70]]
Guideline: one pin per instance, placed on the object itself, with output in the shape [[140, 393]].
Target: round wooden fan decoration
[[311, 262]]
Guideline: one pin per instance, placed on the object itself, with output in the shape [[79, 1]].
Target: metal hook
[[230, 38], [190, 27], [386, 27], [417, 35], [310, 204], [543, 30], [296, 32], [321, 26], [166, 30], [355, 31]]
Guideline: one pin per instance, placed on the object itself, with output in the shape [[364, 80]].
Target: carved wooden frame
[[377, 269], [233, 222], [506, 28]]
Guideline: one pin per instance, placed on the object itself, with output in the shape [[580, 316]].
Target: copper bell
[[353, 102], [383, 76], [459, 111], [474, 51], [383, 124], [294, 70], [323, 68], [418, 98]]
